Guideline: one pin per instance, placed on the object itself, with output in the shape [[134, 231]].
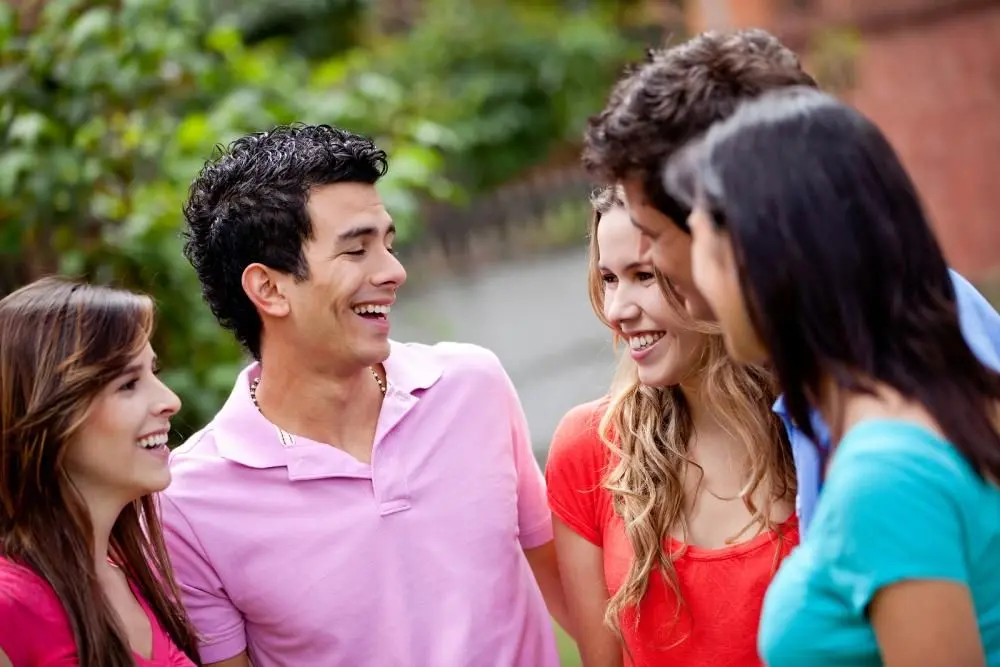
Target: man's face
[[666, 245], [341, 312]]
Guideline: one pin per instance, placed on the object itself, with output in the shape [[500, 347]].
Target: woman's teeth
[[153, 441], [371, 309], [643, 341]]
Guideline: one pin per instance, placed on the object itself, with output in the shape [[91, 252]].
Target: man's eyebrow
[[363, 230]]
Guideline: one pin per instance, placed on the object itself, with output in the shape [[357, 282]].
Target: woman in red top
[[674, 495], [84, 578]]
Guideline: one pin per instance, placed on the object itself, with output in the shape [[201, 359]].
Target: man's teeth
[[153, 441], [643, 341], [371, 309]]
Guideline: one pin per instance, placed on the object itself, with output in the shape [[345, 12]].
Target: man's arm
[[240, 660], [545, 567], [533, 516], [216, 620]]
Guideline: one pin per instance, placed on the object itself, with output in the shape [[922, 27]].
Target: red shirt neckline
[[767, 538]]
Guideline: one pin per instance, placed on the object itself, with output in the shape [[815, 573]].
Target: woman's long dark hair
[[61, 344], [842, 273]]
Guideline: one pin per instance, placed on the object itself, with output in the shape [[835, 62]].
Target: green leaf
[[13, 164], [93, 25]]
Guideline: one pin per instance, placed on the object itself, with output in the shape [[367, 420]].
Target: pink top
[[308, 557], [35, 632]]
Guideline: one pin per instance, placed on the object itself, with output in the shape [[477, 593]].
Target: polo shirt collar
[[819, 426], [243, 435], [411, 367]]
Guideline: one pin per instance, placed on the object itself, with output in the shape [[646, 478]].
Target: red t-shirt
[[35, 632], [723, 589]]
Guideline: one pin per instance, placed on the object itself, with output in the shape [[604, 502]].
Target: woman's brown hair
[[647, 430], [61, 344]]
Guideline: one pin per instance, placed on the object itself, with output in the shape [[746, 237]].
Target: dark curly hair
[[674, 96], [248, 205]]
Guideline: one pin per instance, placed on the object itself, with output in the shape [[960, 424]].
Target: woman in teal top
[[812, 246]]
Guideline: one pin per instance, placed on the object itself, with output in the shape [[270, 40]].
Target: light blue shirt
[[981, 326], [899, 503]]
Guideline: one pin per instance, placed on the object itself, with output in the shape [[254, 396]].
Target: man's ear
[[265, 289]]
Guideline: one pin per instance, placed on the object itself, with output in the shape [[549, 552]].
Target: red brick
[[928, 72]]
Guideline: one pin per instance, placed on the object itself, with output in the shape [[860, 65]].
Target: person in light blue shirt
[[810, 244], [901, 504], [981, 327]]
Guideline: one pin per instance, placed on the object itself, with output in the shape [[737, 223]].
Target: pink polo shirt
[[307, 557]]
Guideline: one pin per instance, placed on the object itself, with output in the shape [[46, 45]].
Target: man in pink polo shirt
[[356, 502]]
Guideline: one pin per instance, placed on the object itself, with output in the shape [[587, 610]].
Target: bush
[[109, 108]]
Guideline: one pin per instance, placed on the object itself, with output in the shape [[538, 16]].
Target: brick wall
[[928, 72]]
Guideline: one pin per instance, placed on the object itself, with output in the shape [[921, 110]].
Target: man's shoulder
[[456, 361], [451, 353], [199, 446], [979, 319], [196, 462]]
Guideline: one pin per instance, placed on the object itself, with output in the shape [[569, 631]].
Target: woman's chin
[[658, 376], [152, 483]]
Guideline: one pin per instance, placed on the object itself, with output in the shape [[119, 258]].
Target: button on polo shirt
[[305, 556]]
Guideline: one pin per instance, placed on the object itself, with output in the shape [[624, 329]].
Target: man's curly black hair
[[675, 95], [248, 205]]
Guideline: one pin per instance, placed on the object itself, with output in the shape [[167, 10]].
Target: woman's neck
[[103, 512], [703, 418], [842, 409]]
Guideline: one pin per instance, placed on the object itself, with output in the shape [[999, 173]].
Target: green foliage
[[90, 104], [501, 83], [106, 116], [108, 108], [313, 28]]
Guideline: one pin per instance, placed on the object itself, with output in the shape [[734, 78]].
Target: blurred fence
[[547, 208]]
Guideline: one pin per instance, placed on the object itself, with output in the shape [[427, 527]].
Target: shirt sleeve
[[534, 521], [33, 625], [893, 511], [216, 619], [575, 469], [980, 322], [18, 631]]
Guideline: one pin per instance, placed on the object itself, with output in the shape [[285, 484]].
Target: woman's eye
[[357, 253], [608, 279], [643, 276], [130, 385]]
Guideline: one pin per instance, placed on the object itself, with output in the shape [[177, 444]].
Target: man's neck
[[328, 405]]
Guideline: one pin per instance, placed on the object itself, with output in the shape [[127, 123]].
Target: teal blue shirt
[[898, 503]]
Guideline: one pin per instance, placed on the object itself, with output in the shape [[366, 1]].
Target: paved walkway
[[536, 317]]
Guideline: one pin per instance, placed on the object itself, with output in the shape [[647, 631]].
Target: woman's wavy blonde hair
[[648, 430]]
